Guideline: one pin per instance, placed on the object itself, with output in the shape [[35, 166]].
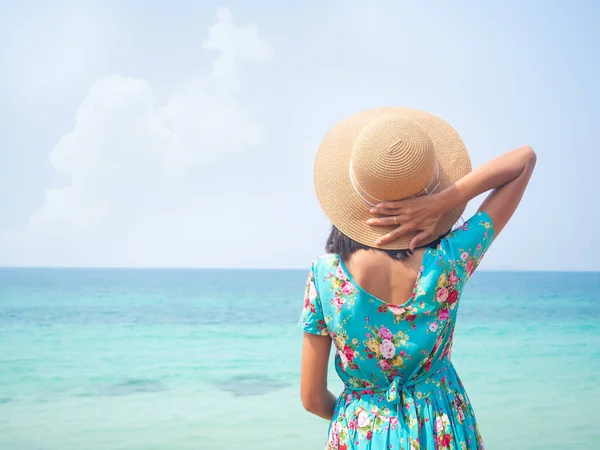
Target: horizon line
[[2, 267]]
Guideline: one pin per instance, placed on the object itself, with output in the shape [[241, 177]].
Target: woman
[[393, 182]]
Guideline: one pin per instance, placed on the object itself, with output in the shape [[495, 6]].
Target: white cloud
[[233, 43], [158, 173], [124, 139], [130, 156]]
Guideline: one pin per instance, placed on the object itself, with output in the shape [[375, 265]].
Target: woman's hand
[[508, 176], [420, 214]]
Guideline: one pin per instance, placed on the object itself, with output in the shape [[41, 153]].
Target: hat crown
[[393, 158]]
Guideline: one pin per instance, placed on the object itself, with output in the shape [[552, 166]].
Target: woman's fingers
[[420, 237], [403, 229], [391, 205], [411, 215], [395, 234], [389, 208], [385, 221], [385, 211]]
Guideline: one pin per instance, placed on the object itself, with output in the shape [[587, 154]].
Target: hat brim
[[344, 207]]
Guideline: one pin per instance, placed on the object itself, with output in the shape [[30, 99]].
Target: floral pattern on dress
[[387, 348], [401, 390]]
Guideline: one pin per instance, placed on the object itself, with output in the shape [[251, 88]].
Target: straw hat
[[386, 154]]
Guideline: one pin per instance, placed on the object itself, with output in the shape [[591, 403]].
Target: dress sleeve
[[312, 319], [471, 241]]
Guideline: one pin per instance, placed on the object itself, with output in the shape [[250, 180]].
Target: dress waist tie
[[402, 394]]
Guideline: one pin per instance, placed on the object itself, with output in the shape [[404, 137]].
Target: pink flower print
[[396, 309], [402, 353], [439, 426], [442, 294], [335, 433], [464, 256], [453, 278], [461, 414], [352, 425], [335, 439], [338, 302], [388, 350], [349, 352], [385, 364], [443, 314], [343, 360], [452, 297], [470, 267], [445, 441], [339, 273], [385, 333], [347, 288], [336, 427], [369, 335], [363, 419], [433, 326]]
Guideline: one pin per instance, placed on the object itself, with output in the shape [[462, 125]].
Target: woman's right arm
[[507, 176]]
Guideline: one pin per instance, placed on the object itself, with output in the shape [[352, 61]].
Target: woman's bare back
[[383, 277]]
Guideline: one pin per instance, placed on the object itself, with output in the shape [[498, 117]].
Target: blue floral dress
[[401, 390]]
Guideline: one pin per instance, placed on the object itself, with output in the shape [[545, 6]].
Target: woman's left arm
[[315, 396]]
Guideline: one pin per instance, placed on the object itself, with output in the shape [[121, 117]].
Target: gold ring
[[396, 223]]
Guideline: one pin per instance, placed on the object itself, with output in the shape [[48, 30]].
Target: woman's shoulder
[[326, 269], [464, 247], [326, 263]]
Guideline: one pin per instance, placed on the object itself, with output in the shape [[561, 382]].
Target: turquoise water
[[209, 359]]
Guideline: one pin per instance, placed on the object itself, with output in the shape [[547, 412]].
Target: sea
[[137, 359]]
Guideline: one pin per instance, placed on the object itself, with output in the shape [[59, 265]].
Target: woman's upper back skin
[[383, 277]]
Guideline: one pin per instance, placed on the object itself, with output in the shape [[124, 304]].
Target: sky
[[183, 133]]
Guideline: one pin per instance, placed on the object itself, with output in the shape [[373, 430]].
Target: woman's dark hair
[[339, 243]]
